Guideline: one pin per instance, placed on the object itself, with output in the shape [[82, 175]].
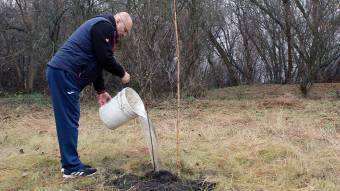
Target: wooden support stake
[[178, 87]]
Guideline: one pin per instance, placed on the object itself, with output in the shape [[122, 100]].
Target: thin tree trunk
[[19, 74], [288, 14], [226, 61]]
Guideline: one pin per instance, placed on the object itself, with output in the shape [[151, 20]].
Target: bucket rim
[[138, 97]]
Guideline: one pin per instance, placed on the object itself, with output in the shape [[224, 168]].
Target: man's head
[[123, 23]]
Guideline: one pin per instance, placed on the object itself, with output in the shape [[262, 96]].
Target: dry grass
[[244, 138]]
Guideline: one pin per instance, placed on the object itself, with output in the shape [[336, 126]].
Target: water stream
[[148, 128], [150, 135]]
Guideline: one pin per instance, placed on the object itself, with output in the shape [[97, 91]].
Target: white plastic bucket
[[124, 106]]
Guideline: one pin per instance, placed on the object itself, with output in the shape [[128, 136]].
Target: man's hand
[[126, 78], [103, 98]]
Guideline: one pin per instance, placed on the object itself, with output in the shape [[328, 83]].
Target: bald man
[[78, 63]]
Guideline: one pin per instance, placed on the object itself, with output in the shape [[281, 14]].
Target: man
[[78, 63]]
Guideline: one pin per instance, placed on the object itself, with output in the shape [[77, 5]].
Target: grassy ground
[[263, 137]]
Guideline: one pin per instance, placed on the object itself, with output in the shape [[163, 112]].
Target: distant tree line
[[223, 42]]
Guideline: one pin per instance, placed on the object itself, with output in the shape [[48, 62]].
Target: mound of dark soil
[[157, 181]]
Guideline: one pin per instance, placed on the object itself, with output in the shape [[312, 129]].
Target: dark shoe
[[79, 173], [85, 166]]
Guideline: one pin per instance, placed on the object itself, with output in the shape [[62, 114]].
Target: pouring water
[[127, 105]]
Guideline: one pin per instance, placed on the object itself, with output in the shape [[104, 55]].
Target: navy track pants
[[65, 99]]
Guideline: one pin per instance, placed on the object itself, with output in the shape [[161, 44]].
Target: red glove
[[103, 98]]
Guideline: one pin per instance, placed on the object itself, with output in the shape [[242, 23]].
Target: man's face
[[123, 27]]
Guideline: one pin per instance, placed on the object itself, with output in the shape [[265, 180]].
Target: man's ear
[[119, 19]]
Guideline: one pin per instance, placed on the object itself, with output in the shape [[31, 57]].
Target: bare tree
[[222, 42], [315, 28]]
